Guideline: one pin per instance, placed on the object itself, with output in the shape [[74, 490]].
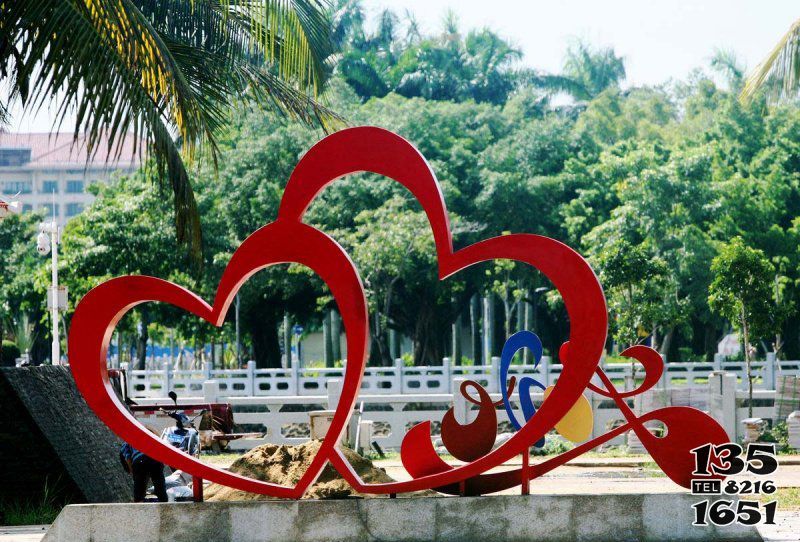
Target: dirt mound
[[284, 465]]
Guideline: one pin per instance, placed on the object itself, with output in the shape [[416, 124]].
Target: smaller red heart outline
[[283, 241], [376, 150]]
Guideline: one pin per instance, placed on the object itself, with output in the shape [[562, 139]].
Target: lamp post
[[47, 243]]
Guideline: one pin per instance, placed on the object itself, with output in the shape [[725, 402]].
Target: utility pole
[[47, 242]]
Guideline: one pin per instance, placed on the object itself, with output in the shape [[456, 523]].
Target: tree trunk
[[380, 337], [746, 333], [327, 339], [141, 341], [667, 343], [654, 340], [456, 349], [475, 329], [428, 337], [420, 341], [380, 345], [394, 344], [488, 328], [527, 324], [263, 328], [336, 334], [508, 314], [287, 339]]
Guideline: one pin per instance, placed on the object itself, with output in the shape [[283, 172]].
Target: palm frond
[[166, 71], [555, 83], [779, 73]]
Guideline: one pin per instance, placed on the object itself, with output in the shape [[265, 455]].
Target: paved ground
[[610, 475], [587, 475], [26, 533]]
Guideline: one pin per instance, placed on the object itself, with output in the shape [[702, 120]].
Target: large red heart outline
[[280, 242], [289, 240]]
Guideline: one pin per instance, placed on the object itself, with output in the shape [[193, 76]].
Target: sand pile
[[284, 465]]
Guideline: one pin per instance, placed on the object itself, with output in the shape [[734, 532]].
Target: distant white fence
[[284, 419], [391, 415], [401, 380]]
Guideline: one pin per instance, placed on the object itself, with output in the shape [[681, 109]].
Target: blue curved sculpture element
[[515, 343]]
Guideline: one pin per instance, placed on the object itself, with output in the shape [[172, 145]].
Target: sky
[[659, 39]]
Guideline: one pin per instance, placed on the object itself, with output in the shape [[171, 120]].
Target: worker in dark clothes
[[143, 468]]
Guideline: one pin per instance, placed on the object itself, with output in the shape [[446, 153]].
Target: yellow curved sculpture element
[[576, 425]]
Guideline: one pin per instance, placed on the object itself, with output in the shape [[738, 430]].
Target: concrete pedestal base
[[496, 519]]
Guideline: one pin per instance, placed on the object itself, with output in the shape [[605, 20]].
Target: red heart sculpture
[[288, 240], [380, 151], [280, 242]]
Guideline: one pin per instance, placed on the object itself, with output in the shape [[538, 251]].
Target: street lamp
[[47, 243]]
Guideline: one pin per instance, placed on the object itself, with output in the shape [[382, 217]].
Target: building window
[[48, 209], [17, 187], [14, 157], [74, 209], [74, 187], [49, 187]]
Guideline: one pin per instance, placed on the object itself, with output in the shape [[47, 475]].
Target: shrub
[[554, 444], [779, 434]]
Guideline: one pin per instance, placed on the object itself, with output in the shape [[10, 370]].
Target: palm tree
[[728, 65], [490, 60], [166, 71], [592, 70], [587, 72], [779, 73]]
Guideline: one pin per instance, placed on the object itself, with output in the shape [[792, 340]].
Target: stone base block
[[617, 517]]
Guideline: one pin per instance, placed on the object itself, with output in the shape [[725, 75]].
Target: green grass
[[612, 451], [32, 512], [224, 458], [788, 498], [27, 513]]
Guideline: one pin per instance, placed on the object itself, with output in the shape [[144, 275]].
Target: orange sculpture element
[[576, 425]]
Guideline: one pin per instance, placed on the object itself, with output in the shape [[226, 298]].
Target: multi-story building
[[41, 170]]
